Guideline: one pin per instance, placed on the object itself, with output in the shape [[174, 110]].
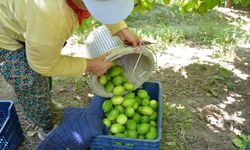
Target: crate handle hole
[[124, 144]]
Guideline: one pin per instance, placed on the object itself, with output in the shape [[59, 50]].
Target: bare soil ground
[[215, 120], [185, 74]]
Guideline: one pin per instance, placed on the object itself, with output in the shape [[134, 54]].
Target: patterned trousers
[[31, 88]]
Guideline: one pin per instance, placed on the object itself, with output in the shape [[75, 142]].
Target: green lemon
[[115, 71], [146, 110], [142, 94], [121, 119], [117, 143], [120, 108], [103, 79], [128, 86], [153, 116], [118, 80], [128, 102], [151, 135], [145, 102], [123, 78], [152, 128], [153, 104], [141, 136], [118, 90], [131, 125], [117, 100], [143, 128], [125, 132], [145, 119], [107, 122], [113, 121], [153, 123], [107, 106], [138, 100], [108, 87], [139, 109], [132, 134], [137, 117], [108, 76], [121, 135], [135, 106], [129, 111], [113, 114], [130, 95], [116, 128]]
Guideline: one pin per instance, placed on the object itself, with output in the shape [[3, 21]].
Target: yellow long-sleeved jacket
[[44, 26]]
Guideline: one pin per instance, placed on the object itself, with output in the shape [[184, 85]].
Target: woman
[[32, 34]]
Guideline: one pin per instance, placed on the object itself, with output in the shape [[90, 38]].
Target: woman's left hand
[[128, 38]]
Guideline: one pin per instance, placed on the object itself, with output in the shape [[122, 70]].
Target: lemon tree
[[190, 6]]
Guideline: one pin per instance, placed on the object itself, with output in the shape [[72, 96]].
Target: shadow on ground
[[217, 100]]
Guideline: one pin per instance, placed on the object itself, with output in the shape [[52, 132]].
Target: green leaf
[[184, 3], [248, 138], [245, 3], [212, 3], [224, 72], [212, 80], [211, 91], [230, 85], [202, 8], [207, 90], [166, 2], [202, 67], [214, 92], [238, 142], [243, 137], [216, 77], [147, 4], [190, 7], [136, 2]]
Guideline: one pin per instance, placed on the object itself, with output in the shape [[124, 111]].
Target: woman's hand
[[128, 37], [98, 66]]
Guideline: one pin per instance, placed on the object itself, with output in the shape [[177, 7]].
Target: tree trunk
[[229, 3]]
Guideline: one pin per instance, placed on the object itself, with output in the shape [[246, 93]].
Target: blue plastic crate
[[11, 133], [105, 142], [248, 146]]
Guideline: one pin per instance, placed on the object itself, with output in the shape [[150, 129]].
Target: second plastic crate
[[11, 133]]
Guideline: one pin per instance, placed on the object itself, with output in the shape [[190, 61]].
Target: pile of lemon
[[133, 115], [114, 80]]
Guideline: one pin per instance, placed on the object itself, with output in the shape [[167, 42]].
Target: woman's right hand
[[98, 66]]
